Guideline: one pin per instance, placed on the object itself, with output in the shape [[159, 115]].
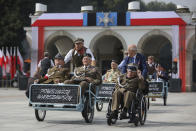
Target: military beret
[[59, 56], [132, 67], [88, 55], [79, 40]]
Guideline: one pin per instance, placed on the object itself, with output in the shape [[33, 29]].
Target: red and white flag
[[8, 61], [1, 59], [3, 63], [13, 60], [20, 60]]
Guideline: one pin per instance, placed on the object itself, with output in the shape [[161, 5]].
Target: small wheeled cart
[[158, 89], [104, 95], [62, 97]]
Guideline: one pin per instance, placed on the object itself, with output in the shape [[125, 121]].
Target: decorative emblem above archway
[[106, 19]]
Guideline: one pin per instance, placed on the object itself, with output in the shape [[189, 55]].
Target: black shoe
[[133, 120], [123, 115], [114, 115], [30, 104]]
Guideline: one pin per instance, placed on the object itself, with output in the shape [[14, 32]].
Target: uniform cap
[[79, 40], [59, 56], [132, 67], [88, 55], [115, 61]]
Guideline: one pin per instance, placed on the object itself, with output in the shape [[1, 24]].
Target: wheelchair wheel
[[165, 98], [40, 114], [99, 105], [110, 120], [142, 111], [88, 112]]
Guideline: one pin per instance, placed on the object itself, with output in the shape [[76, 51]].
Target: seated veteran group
[[83, 59], [85, 71]]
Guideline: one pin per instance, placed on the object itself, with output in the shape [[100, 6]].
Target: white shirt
[[69, 55]]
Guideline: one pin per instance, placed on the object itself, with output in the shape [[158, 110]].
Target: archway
[[107, 48], [59, 41], [191, 64], [61, 44], [160, 47]]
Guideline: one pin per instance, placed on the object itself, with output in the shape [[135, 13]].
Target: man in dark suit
[[136, 58]]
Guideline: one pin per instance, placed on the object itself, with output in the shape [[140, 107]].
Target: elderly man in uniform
[[136, 58], [125, 90], [85, 74], [76, 54], [112, 74], [57, 74]]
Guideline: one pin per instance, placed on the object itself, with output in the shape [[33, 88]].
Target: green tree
[[160, 6], [13, 18]]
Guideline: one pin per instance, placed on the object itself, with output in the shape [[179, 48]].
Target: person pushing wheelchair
[[125, 91]]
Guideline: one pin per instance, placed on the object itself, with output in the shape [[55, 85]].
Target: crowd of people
[[131, 74]]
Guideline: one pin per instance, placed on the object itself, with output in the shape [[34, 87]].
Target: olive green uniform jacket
[[55, 75], [127, 92]]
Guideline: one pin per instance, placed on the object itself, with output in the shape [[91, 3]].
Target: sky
[[189, 3]]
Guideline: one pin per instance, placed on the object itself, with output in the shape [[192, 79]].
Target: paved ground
[[15, 115]]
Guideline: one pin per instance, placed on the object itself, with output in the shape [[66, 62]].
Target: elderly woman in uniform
[[112, 74]]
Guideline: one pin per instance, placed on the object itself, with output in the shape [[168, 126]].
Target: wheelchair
[[138, 110]]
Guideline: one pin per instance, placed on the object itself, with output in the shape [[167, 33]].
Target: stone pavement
[[15, 115]]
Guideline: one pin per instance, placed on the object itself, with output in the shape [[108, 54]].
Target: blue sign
[[106, 19]]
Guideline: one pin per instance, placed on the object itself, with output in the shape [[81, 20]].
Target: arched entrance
[[60, 41], [160, 47], [105, 49], [191, 64], [61, 44]]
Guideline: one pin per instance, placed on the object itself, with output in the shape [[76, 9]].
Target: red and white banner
[[155, 18], [59, 19]]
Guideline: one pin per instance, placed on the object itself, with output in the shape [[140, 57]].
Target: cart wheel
[[40, 114], [143, 111], [88, 112], [148, 103], [165, 98], [99, 105]]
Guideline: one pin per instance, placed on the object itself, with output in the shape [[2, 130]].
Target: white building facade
[[168, 38]]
